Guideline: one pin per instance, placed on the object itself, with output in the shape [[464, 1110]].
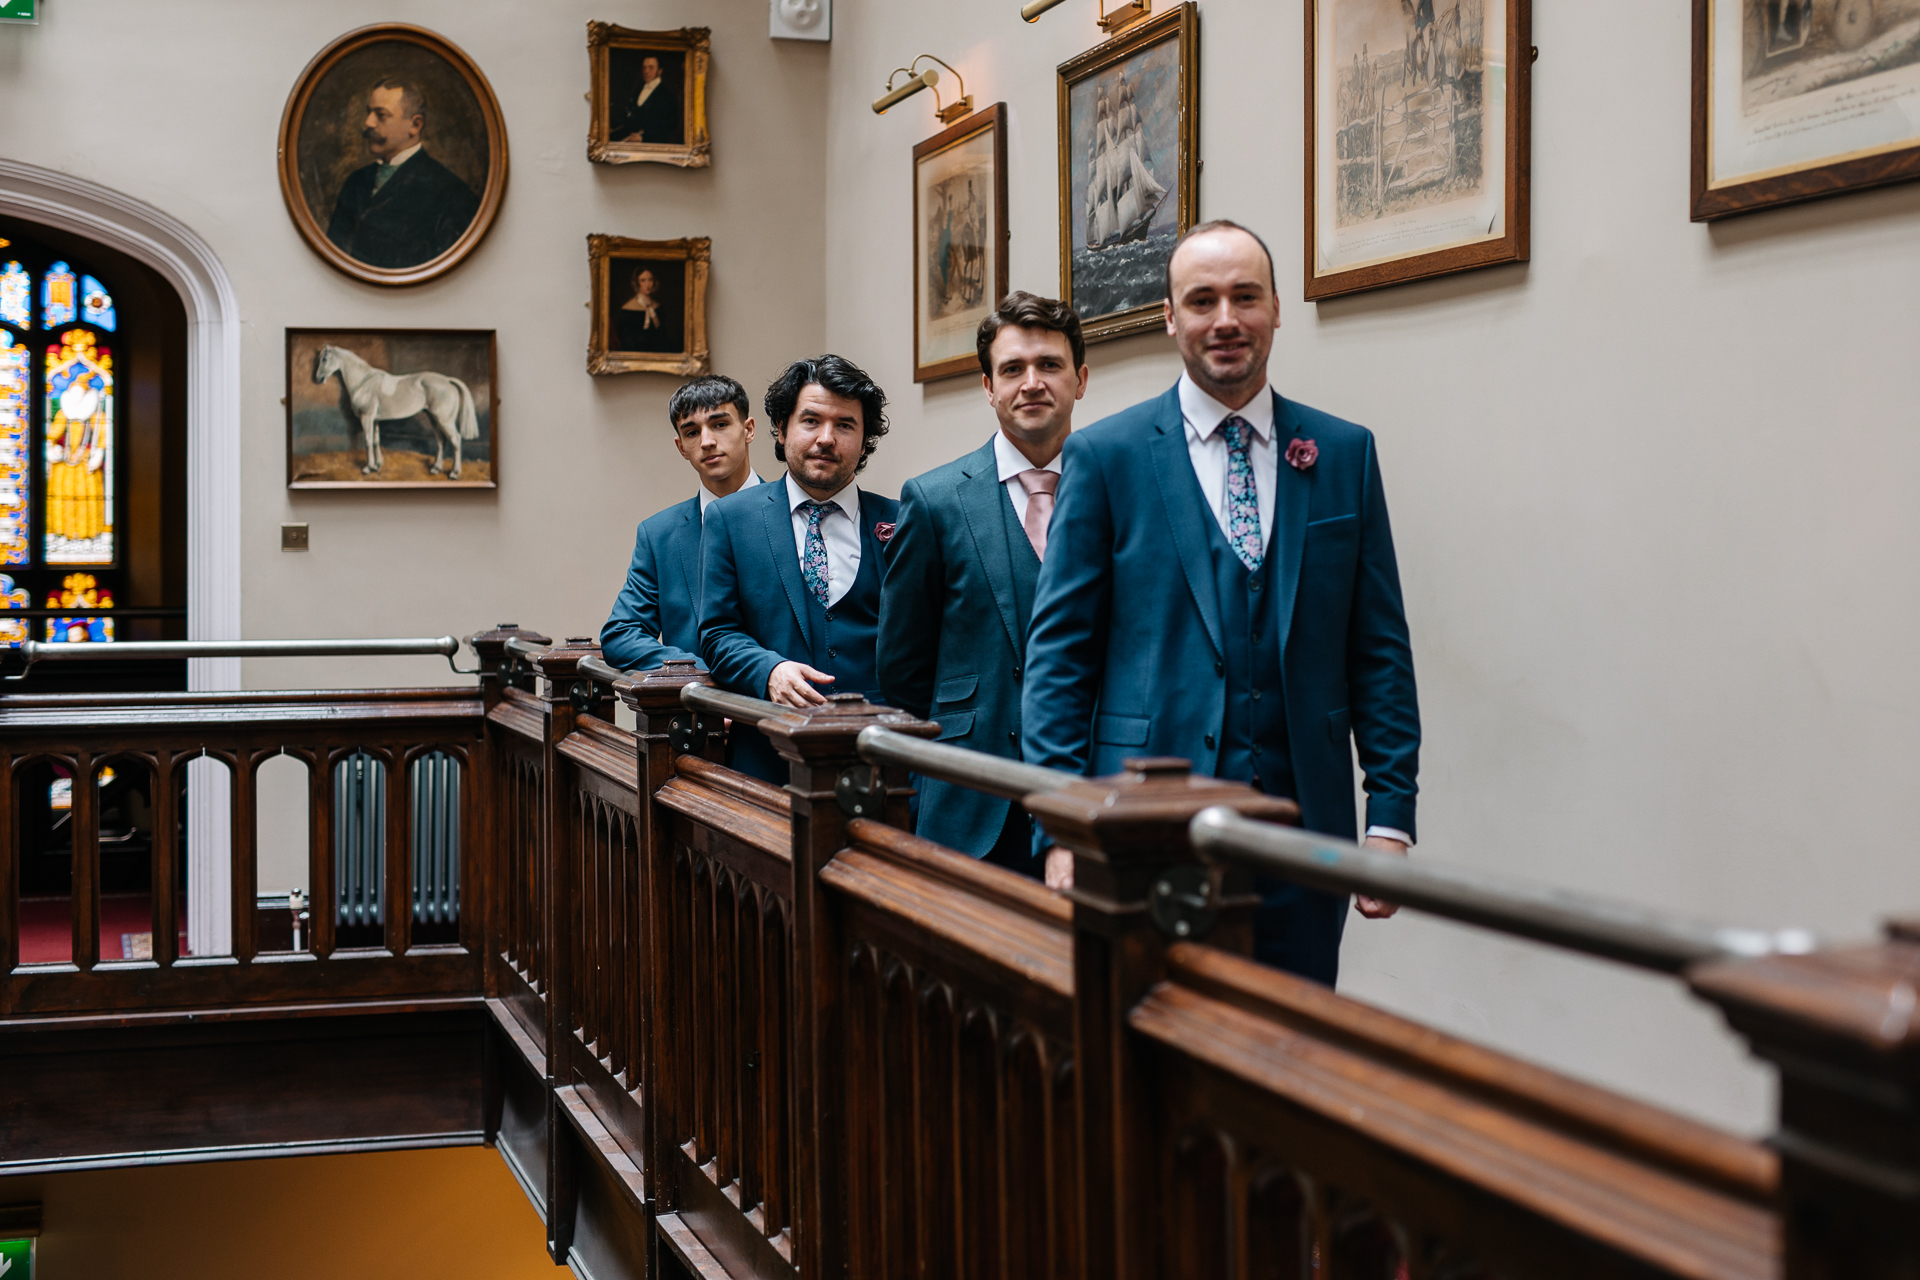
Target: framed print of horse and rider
[[1419, 139], [391, 409], [1129, 170], [1798, 99], [959, 240]]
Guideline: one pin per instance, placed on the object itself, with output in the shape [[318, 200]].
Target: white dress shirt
[[706, 494], [839, 529], [646, 91], [1011, 462], [404, 156], [1207, 447]]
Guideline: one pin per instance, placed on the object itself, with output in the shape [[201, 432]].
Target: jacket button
[[833, 653], [1209, 741], [1256, 695], [1253, 583], [1219, 668], [1016, 673], [829, 617], [1013, 735]]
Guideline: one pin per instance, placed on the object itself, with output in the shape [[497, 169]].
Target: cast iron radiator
[[360, 844]]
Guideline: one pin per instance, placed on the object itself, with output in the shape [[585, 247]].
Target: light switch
[[293, 537]]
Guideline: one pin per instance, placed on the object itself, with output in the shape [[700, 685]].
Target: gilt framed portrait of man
[[393, 154], [1129, 170], [1799, 99], [959, 240], [649, 306], [1419, 140], [649, 96]]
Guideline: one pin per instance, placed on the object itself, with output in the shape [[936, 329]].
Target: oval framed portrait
[[393, 154]]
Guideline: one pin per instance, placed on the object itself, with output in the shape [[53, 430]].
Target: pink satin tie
[[1040, 486]]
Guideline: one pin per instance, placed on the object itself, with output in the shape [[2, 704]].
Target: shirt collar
[[1204, 414], [1011, 462], [706, 495], [848, 499], [404, 156]]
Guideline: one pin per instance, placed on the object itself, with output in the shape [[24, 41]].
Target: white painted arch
[[213, 380]]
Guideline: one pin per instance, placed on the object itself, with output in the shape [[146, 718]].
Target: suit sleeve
[[912, 602], [631, 638], [1066, 642], [733, 656], [1385, 708]]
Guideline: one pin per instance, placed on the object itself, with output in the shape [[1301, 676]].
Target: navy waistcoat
[[1253, 735], [843, 637]]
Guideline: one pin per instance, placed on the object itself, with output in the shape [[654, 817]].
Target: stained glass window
[[79, 591], [96, 304], [79, 517], [56, 296], [16, 296], [12, 630], [16, 484]]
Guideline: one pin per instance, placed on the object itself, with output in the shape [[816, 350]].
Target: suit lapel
[[690, 549], [1292, 496], [1186, 513], [980, 497], [786, 558]]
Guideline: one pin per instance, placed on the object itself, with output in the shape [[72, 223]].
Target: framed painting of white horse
[[391, 408]]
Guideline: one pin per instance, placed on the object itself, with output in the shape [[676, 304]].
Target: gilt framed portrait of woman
[[959, 240], [393, 155], [649, 312], [649, 96], [1129, 170]]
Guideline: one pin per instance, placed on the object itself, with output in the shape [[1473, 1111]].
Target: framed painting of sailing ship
[[959, 240], [1129, 170], [1419, 139], [1798, 99], [392, 409], [649, 306]]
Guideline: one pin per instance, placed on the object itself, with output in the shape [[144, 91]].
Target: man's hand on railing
[[1059, 870], [1375, 908], [791, 685]]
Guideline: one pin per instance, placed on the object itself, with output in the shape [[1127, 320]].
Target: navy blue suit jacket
[[1125, 648], [953, 633], [656, 616], [753, 605]]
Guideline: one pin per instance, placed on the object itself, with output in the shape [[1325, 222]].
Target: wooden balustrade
[[768, 1032]]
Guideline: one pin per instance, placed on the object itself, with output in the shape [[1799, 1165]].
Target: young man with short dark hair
[[656, 617], [962, 572], [790, 574]]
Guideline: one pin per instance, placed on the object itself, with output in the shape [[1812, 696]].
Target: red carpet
[[46, 927]]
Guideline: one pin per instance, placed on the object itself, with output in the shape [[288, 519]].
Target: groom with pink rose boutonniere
[[1220, 585]]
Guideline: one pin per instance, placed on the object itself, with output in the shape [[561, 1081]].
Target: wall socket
[[293, 537]]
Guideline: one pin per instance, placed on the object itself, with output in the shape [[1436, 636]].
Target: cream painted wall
[[1653, 496], [187, 98]]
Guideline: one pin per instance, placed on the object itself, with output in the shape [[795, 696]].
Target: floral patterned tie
[[813, 565], [1243, 500]]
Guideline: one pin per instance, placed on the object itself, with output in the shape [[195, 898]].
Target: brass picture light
[[1111, 23], [918, 80]]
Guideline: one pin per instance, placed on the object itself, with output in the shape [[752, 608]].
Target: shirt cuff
[[1391, 833]]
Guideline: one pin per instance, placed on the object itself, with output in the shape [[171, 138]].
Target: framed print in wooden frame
[[1129, 170], [1798, 99], [1419, 140], [959, 240], [649, 306], [649, 96], [392, 409], [393, 154]]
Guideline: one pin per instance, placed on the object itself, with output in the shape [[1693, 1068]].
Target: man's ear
[[750, 427], [1166, 310]]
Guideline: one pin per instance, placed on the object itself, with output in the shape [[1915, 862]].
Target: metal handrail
[[525, 647], [603, 671], [1592, 926], [1008, 779], [33, 651], [704, 697]]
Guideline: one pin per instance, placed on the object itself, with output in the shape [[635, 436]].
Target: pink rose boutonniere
[[883, 530], [1302, 454]]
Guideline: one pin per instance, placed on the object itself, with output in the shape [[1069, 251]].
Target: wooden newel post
[[1133, 866], [830, 785], [664, 730], [499, 668], [566, 696], [1843, 1029]]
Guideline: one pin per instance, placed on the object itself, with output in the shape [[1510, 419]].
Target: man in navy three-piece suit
[[963, 568], [790, 571], [1220, 584], [656, 617]]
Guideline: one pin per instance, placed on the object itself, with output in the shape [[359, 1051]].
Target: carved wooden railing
[[768, 1031]]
